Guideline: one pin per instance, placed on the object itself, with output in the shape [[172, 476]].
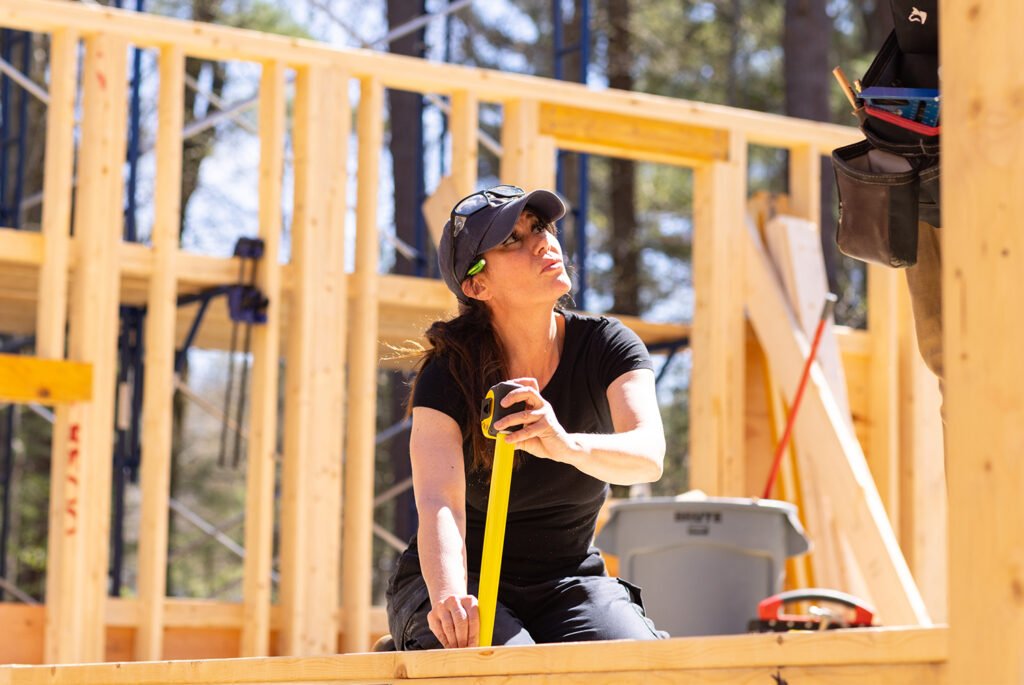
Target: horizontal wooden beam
[[617, 135], [908, 655], [416, 75], [407, 304], [46, 381]]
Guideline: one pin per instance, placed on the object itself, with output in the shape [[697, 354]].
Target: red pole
[[826, 313]]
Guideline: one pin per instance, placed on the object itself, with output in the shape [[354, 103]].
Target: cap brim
[[544, 203]]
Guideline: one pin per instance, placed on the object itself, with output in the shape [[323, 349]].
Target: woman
[[591, 419]]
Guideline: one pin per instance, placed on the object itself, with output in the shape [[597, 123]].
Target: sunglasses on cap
[[470, 205]]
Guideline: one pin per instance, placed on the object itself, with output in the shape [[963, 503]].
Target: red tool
[[826, 314], [770, 617]]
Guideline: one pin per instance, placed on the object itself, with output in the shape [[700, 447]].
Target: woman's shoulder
[[579, 321]]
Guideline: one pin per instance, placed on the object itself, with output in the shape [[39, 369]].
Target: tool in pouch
[[491, 411]]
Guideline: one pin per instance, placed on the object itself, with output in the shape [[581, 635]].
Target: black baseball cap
[[488, 227]]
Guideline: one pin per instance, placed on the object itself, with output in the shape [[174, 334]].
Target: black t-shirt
[[553, 507]]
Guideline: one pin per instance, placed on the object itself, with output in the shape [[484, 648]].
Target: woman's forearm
[[626, 458], [441, 541]]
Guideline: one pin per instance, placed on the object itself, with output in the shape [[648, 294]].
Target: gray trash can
[[703, 564]]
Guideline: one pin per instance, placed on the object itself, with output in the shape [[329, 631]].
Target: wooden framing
[[261, 467], [905, 656], [28, 379], [58, 169], [894, 422], [844, 477], [716, 387], [362, 386], [159, 378], [983, 338], [314, 410], [80, 475]]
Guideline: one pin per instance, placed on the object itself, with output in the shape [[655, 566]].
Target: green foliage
[[268, 17]]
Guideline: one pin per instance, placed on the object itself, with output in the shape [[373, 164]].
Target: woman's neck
[[532, 341]]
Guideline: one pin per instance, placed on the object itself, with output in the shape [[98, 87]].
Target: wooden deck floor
[[856, 657]]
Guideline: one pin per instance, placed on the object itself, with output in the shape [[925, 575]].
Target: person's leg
[[409, 604], [508, 630], [924, 280], [583, 608]]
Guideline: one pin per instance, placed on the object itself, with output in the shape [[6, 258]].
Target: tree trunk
[[198, 147], [806, 43], [406, 113], [625, 247]]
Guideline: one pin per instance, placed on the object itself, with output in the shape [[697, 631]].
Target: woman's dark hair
[[476, 361]]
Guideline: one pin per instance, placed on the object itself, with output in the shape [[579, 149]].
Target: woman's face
[[526, 267]]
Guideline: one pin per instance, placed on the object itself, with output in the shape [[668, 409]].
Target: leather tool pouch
[[890, 180]]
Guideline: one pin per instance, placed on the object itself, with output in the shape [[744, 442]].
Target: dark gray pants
[[571, 609]]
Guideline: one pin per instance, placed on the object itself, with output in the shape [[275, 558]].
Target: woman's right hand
[[455, 620]]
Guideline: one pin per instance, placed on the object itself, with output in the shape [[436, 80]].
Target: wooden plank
[[58, 165], [517, 130], [716, 387], [311, 480], [878, 648], [437, 208], [362, 384], [922, 477], [584, 130], [846, 481], [24, 626], [983, 257], [158, 386], [416, 75], [47, 381], [198, 39], [464, 122], [542, 163], [795, 247], [904, 674], [80, 487], [805, 182], [260, 473], [883, 411]]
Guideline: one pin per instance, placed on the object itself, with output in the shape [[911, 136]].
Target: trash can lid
[[796, 540]]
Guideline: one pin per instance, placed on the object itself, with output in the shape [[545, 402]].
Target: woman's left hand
[[541, 435]]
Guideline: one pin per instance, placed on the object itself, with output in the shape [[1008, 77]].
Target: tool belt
[[890, 180]]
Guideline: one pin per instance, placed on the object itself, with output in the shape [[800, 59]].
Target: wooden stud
[[311, 478], [845, 479], [46, 381], [362, 387], [51, 317], [260, 473], [717, 381], [883, 411], [805, 182], [519, 125], [51, 320], [922, 477], [158, 393], [80, 491], [465, 121], [528, 159], [983, 257]]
